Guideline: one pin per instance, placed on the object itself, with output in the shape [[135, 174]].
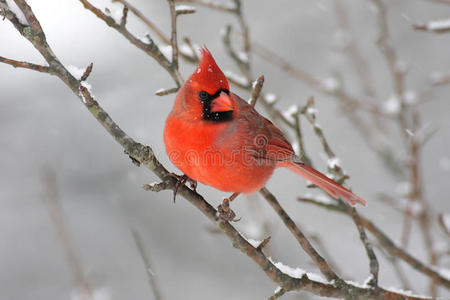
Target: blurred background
[[52, 149]]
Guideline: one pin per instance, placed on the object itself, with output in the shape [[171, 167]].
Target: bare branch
[[26, 65], [396, 67], [300, 237], [278, 293], [173, 37], [146, 20], [257, 87], [373, 261], [436, 26], [157, 187], [149, 47], [338, 172], [154, 285], [230, 7], [263, 243], [87, 72], [444, 226], [299, 139], [287, 66], [309, 113], [357, 60], [123, 20], [386, 242], [397, 268], [244, 27], [180, 10], [144, 155], [164, 92], [53, 205], [188, 43], [408, 123], [242, 62]]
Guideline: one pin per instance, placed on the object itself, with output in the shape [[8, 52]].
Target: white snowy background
[[44, 126]]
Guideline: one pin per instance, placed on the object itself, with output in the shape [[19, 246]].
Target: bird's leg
[[225, 212], [181, 180]]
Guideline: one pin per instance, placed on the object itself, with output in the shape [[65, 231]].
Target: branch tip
[[123, 20], [263, 243], [278, 293], [184, 10], [87, 72], [164, 92], [257, 87], [157, 186]]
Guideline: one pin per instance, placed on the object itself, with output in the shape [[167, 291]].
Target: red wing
[[269, 142], [278, 148]]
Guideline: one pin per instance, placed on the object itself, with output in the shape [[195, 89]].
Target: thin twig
[[144, 155], [373, 261], [146, 20], [278, 293], [123, 20], [338, 172], [397, 268], [56, 213], [244, 28], [257, 87], [299, 139], [154, 285], [26, 65], [300, 237], [195, 58], [349, 106], [408, 121], [318, 241], [309, 113], [357, 60], [263, 243], [386, 242], [214, 5], [436, 26], [164, 92], [173, 37], [242, 63], [149, 48], [87, 72], [157, 187]]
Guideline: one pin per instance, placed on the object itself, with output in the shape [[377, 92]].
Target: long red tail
[[331, 187]]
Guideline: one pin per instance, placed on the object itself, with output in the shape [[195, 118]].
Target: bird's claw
[[181, 180], [193, 184], [225, 212]]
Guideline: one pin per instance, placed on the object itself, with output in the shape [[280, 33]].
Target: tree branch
[[385, 241], [24, 64], [257, 87], [149, 47], [320, 262], [144, 155]]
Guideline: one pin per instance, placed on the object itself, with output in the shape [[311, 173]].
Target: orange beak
[[222, 103]]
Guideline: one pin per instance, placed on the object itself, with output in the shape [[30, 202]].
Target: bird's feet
[[181, 180], [224, 210]]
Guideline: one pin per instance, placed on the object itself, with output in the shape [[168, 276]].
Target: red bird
[[215, 137]]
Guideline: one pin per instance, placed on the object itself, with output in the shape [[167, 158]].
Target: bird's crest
[[208, 76]]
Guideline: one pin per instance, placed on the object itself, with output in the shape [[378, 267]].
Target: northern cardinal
[[215, 137]]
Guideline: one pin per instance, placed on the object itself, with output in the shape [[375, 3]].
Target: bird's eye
[[203, 95]]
